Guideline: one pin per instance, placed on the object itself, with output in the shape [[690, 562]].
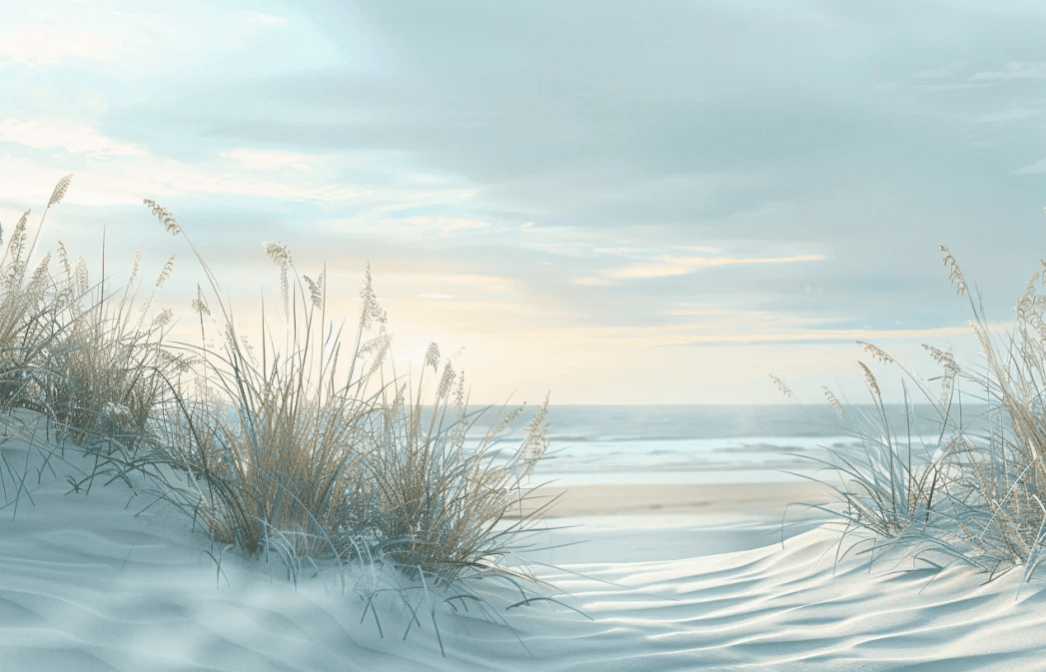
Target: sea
[[681, 444]]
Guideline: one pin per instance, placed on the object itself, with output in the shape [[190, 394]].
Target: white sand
[[86, 584]]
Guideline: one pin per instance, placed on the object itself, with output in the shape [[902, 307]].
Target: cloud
[[941, 72], [737, 327], [1033, 168], [765, 336], [258, 159], [38, 47], [260, 20], [1014, 70], [1009, 115], [464, 281], [71, 136], [141, 174], [671, 266], [962, 86], [446, 224], [591, 282]]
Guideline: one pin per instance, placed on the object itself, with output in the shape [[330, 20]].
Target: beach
[[522, 337], [101, 580], [694, 499]]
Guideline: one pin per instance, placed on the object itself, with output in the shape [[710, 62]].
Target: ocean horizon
[[675, 444]]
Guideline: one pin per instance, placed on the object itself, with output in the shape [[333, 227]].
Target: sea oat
[[954, 274], [951, 369], [63, 256], [459, 395], [164, 215], [279, 253], [59, 191], [536, 442], [16, 246], [432, 357], [315, 290], [983, 339], [504, 423], [166, 272], [136, 265], [372, 311], [446, 382], [781, 386], [163, 317], [876, 352], [873, 384], [379, 345], [834, 402], [83, 280], [39, 280], [945, 359]]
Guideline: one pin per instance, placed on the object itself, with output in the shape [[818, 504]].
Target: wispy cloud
[[38, 46], [73, 137], [959, 86], [766, 336], [727, 327], [257, 159], [1014, 70], [672, 266], [941, 72], [260, 20], [1032, 168], [141, 174], [579, 186], [1008, 115], [463, 282], [446, 224]]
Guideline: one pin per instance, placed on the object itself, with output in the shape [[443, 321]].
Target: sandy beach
[[629, 523], [358, 335], [672, 579], [696, 499]]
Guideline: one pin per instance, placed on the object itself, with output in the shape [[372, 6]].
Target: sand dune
[[90, 582]]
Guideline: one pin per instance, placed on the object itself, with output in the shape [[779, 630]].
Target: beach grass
[[972, 496], [319, 455]]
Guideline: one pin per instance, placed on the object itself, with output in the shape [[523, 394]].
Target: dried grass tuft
[[971, 498], [287, 457], [307, 452]]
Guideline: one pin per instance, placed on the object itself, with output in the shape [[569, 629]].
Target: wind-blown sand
[[88, 583]]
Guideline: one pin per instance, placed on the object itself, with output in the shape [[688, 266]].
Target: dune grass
[[106, 370], [325, 459], [973, 497]]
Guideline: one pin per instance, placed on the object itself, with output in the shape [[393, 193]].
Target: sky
[[607, 202]]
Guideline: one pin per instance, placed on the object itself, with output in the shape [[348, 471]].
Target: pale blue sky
[[615, 202]]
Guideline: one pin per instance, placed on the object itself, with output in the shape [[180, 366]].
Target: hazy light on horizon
[[612, 202]]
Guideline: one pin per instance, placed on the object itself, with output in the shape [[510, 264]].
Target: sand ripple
[[86, 583]]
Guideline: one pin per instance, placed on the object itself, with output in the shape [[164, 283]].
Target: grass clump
[[323, 458], [975, 496], [440, 501], [287, 457], [30, 313], [107, 372]]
